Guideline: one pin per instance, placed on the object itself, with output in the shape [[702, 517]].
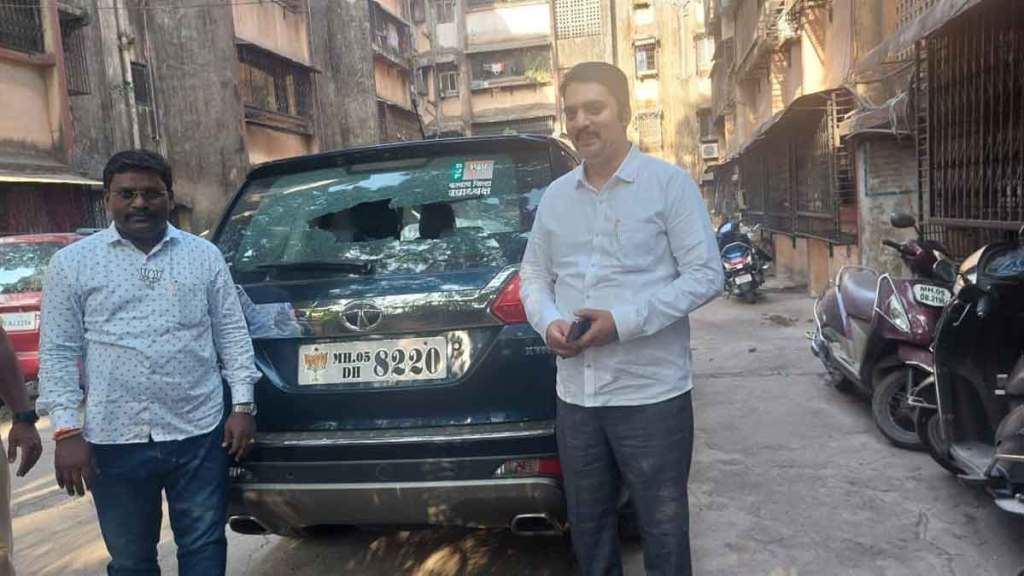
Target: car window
[[438, 213], [22, 266]]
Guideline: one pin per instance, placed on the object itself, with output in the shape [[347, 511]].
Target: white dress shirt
[[643, 248], [147, 331]]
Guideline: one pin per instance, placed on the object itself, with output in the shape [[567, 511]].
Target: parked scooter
[[977, 427], [874, 331], [744, 263]]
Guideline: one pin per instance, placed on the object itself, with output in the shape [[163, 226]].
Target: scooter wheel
[[929, 429], [892, 415]]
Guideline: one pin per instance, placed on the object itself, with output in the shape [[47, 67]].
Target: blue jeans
[[649, 448], [127, 491]]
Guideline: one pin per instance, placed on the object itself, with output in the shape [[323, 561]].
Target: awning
[[921, 27], [891, 118], [510, 45], [48, 178]]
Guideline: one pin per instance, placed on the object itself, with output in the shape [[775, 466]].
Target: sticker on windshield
[[471, 178]]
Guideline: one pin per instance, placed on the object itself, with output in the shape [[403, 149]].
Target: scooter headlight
[[897, 314]]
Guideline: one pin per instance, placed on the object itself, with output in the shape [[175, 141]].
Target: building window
[[577, 18], [274, 84], [706, 122], [391, 36], [704, 50], [140, 84], [419, 12], [646, 58], [526, 64], [648, 127], [449, 82], [76, 66], [21, 25], [445, 11]]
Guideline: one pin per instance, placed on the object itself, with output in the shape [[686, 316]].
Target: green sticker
[[458, 170]]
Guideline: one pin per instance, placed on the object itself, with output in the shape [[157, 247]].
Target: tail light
[[508, 306], [530, 467]]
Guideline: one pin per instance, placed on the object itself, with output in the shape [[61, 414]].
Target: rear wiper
[[362, 268]]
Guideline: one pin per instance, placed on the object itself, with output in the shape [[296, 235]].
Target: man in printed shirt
[[624, 240], [147, 310]]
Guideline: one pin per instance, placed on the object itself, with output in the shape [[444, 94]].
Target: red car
[[23, 261]]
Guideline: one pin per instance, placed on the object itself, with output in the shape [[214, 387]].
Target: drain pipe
[[123, 45]]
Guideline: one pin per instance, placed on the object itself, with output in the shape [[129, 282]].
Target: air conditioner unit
[[709, 150]]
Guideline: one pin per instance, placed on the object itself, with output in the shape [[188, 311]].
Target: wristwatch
[[244, 408], [26, 417]]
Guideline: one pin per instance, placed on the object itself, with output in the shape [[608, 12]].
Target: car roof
[[54, 237], [313, 161]]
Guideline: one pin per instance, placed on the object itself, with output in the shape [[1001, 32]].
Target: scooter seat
[[857, 286]]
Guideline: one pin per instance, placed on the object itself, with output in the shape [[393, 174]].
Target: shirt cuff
[[546, 320], [241, 393], [627, 322], [64, 418]]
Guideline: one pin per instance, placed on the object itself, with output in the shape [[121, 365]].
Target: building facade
[[40, 190]]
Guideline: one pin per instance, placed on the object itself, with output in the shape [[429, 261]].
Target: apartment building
[[485, 66]]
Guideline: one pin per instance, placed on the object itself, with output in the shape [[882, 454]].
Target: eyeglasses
[[147, 195]]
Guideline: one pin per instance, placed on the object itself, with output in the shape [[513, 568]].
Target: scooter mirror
[[902, 220]]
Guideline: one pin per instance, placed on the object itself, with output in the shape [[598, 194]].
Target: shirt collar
[[112, 236], [627, 170]]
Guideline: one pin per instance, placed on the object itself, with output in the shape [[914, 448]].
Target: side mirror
[[902, 220]]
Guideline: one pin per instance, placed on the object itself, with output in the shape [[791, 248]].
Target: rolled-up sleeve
[[61, 342], [692, 242], [538, 278], [230, 335]]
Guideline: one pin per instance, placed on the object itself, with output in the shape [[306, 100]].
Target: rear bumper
[[476, 503]]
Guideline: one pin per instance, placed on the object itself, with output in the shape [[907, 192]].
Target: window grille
[[449, 81], [274, 84], [648, 127], [577, 18], [523, 63], [140, 84], [445, 11], [21, 25], [76, 64], [646, 59]]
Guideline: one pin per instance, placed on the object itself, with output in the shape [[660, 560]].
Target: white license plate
[[932, 295], [744, 279], [374, 361], [19, 321]]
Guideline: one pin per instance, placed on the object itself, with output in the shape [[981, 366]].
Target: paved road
[[790, 478]]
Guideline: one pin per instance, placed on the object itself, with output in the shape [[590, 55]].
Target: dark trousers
[[649, 448], [127, 491]]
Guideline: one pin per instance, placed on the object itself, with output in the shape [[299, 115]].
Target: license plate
[[374, 361], [744, 279], [19, 321], [932, 295]]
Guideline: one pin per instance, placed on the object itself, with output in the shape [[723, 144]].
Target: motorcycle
[[873, 331], [744, 263], [975, 428]]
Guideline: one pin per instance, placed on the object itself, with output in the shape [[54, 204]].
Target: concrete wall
[[448, 35], [886, 184], [392, 83], [25, 117], [270, 26], [485, 101], [346, 90], [508, 23], [265, 144]]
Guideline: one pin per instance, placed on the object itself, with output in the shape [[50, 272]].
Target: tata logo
[[361, 316]]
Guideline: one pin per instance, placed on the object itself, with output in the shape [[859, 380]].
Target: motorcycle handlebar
[[894, 245]]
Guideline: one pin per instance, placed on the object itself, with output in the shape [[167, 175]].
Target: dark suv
[[402, 384]]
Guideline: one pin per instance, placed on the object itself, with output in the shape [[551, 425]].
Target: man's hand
[[26, 437], [556, 339], [239, 435], [602, 329], [72, 464]]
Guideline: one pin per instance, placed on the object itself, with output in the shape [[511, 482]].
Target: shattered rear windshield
[[438, 213]]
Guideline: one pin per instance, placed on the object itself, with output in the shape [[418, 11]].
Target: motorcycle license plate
[[744, 279], [932, 295]]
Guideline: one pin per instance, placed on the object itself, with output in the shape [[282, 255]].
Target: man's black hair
[[606, 75], [137, 161]]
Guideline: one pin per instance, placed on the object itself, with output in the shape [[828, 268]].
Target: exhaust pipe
[[536, 525], [247, 525]]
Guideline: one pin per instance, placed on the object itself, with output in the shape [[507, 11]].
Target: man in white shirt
[[147, 318], [623, 241]]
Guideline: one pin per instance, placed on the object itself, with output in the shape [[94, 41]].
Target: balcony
[[757, 32], [723, 82], [392, 36]]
